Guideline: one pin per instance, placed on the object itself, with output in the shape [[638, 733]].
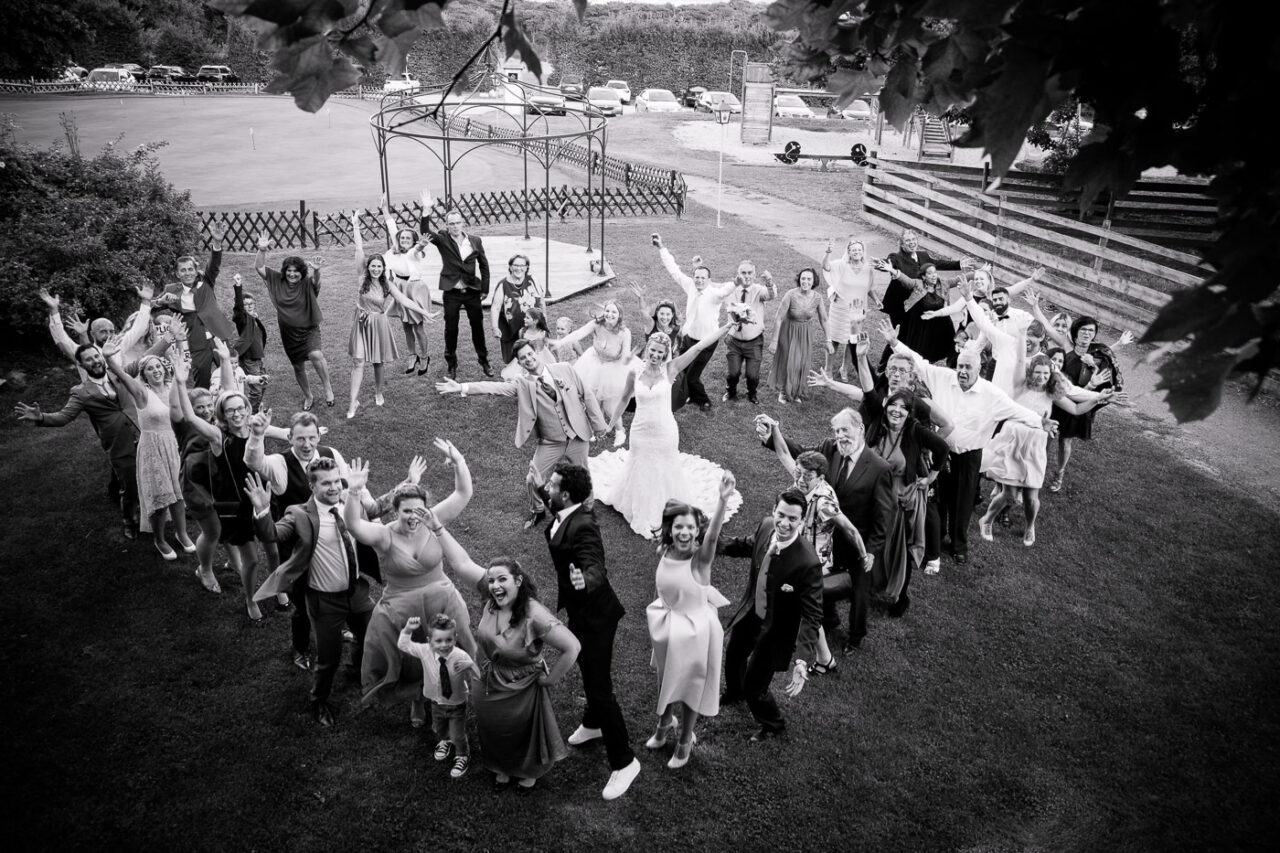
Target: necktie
[[353, 568], [844, 470], [446, 686], [107, 390], [762, 579], [547, 388], [743, 298]]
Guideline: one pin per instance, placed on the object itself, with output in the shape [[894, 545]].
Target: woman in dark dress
[[295, 292], [906, 299], [517, 291], [1090, 366]]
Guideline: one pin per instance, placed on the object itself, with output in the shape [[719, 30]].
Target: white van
[[111, 79]]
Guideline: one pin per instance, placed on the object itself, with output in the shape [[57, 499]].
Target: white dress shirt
[[702, 307], [561, 516], [329, 560]]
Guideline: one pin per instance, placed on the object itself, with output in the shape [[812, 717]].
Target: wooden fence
[[1090, 269], [66, 87], [309, 229], [1174, 213]]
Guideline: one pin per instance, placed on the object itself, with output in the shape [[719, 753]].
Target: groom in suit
[[464, 278], [863, 484], [584, 592], [554, 406], [780, 612], [114, 416]]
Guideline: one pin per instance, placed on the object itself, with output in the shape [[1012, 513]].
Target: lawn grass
[[1112, 688]]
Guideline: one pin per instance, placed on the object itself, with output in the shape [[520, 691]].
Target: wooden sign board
[[757, 112]]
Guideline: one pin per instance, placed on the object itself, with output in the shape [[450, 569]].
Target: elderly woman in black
[[915, 454], [1091, 366]]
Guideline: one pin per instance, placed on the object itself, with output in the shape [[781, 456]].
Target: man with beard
[[584, 592], [114, 417]]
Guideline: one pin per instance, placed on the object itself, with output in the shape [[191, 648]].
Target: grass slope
[[1113, 687]]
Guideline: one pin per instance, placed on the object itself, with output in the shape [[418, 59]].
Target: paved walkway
[[1240, 442]]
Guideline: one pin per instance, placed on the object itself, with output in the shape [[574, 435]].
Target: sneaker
[[933, 567], [984, 530], [620, 780], [460, 765], [347, 636], [582, 735], [443, 749]]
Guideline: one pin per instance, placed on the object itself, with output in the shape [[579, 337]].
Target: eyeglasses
[[235, 410], [518, 266], [897, 371]]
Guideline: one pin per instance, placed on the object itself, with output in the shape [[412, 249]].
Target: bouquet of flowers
[[740, 313]]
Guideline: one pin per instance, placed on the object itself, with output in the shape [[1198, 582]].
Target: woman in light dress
[[605, 367], [793, 336], [406, 266], [849, 289], [687, 636], [638, 481]]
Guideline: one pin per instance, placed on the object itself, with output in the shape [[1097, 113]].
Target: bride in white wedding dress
[[638, 481]]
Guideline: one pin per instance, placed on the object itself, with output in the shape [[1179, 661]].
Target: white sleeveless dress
[[639, 480]]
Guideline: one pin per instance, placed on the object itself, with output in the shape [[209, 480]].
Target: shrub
[[89, 229]]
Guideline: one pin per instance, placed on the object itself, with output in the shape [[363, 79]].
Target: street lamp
[[723, 114]]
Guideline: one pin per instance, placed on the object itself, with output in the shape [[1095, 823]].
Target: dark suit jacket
[[793, 595], [298, 527], [115, 421], [242, 319], [578, 541], [206, 306], [902, 261], [455, 267], [866, 498]]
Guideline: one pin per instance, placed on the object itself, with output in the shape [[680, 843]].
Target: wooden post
[[995, 250], [930, 181], [302, 223], [1102, 247]]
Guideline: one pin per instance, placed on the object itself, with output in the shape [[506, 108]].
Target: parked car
[[139, 73], [545, 102], [108, 78], [859, 110], [399, 84], [606, 100], [216, 74], [691, 95], [572, 86], [624, 90], [169, 74], [791, 106], [708, 100], [72, 73], [657, 101]]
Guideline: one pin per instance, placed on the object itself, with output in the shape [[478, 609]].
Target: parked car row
[[121, 75]]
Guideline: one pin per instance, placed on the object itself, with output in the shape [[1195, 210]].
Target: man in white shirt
[[701, 317], [323, 553], [1011, 320], [974, 406], [746, 339]]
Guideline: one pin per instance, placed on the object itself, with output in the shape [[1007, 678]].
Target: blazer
[[115, 421], [793, 614], [456, 267], [206, 304], [298, 526], [577, 541], [903, 262], [865, 495], [581, 408], [242, 319]]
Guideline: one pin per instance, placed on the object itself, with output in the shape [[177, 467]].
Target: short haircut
[[194, 394], [80, 349], [811, 272], [303, 419], [220, 408], [566, 319], [100, 321], [409, 491], [1035, 329], [673, 510], [186, 259], [903, 359], [853, 417], [1080, 323], [157, 313], [793, 496], [703, 267], [812, 460], [575, 481], [519, 257], [442, 622], [318, 466], [996, 290], [519, 347]]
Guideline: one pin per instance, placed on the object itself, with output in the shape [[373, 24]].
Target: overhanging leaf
[[1014, 100], [514, 40], [1194, 380], [898, 97], [849, 84]]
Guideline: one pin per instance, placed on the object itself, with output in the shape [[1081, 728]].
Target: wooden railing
[[1090, 269]]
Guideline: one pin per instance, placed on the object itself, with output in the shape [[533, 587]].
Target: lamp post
[[723, 114]]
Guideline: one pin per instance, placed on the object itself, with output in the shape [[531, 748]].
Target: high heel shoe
[[425, 367], [379, 400], [680, 757], [660, 735], [413, 367], [210, 583], [166, 552], [351, 412], [187, 547]]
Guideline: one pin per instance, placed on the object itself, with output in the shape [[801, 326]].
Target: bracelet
[[437, 530]]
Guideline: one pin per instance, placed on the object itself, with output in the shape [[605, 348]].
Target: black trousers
[[595, 662], [747, 354], [454, 304], [329, 612], [957, 495], [749, 670], [201, 365], [859, 604], [693, 373]]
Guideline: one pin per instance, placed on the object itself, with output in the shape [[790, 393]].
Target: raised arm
[[866, 379], [576, 335], [1037, 311], [358, 239], [672, 268], [680, 362], [260, 259], [890, 335], [826, 258], [451, 507], [822, 379], [59, 334], [208, 431], [701, 565], [373, 534], [454, 554], [463, 389], [951, 310], [1036, 275], [136, 389]]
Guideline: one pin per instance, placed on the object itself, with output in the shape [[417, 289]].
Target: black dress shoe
[[534, 518], [764, 734], [130, 531], [706, 407], [413, 367], [899, 607], [961, 559], [501, 786], [729, 699], [851, 646], [452, 373], [486, 369], [425, 367], [322, 714]]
